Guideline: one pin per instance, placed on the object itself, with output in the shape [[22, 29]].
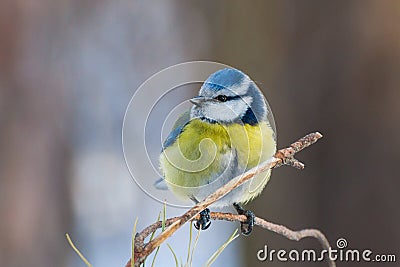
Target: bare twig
[[276, 228], [282, 157]]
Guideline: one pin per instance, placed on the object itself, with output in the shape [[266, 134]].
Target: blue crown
[[224, 78]]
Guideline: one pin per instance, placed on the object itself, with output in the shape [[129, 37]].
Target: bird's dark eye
[[222, 98]]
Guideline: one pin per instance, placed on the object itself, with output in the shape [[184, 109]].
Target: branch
[[282, 157], [276, 228]]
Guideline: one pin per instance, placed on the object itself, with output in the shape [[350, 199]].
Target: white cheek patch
[[228, 111], [248, 100]]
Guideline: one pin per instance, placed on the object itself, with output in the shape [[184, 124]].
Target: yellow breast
[[200, 152]]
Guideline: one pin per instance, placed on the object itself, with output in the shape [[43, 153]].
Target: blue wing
[[180, 123]]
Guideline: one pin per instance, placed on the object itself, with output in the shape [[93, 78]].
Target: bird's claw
[[205, 220], [247, 226]]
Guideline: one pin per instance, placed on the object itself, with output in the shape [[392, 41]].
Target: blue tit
[[224, 134]]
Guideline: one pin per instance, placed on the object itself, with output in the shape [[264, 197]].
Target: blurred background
[[68, 69]]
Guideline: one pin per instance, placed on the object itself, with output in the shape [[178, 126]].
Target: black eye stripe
[[233, 97], [224, 98]]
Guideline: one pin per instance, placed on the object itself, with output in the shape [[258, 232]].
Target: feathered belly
[[203, 160]]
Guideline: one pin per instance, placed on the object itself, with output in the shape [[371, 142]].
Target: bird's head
[[229, 96]]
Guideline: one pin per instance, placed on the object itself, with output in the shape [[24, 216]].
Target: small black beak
[[198, 100]]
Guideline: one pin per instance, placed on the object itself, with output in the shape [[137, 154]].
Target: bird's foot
[[205, 220], [245, 227]]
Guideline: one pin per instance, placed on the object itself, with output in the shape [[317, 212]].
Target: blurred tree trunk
[[34, 204], [330, 66], [343, 59]]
